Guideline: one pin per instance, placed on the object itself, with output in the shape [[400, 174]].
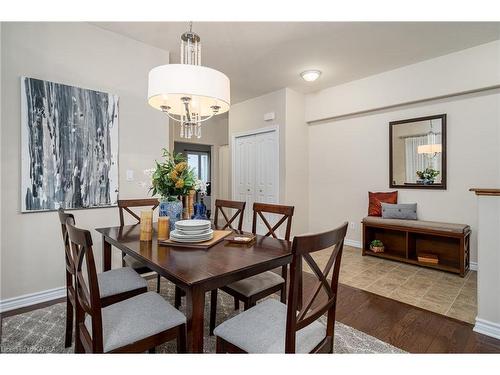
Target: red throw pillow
[[374, 200]]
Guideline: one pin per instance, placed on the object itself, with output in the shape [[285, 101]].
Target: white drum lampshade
[[430, 149], [205, 86]]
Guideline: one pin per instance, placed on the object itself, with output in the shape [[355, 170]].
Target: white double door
[[256, 173]]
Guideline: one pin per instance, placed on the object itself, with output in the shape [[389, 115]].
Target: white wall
[[467, 70], [86, 56], [1, 26], [348, 156], [297, 161], [488, 278]]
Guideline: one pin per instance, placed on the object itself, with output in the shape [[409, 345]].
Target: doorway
[[199, 157]]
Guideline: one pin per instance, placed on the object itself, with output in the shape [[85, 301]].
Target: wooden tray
[[218, 237]]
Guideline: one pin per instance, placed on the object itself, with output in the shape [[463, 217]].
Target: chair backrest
[[314, 307], [69, 256], [125, 204], [88, 296], [238, 206], [287, 211]]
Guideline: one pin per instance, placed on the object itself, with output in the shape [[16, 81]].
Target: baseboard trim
[[32, 299], [352, 243], [487, 328], [473, 266]]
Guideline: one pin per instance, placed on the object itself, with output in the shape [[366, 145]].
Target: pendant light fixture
[[189, 93], [431, 149]]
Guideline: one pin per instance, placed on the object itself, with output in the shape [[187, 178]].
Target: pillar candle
[[163, 228], [146, 225]]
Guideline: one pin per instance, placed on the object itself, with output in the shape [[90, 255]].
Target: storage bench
[[404, 240]]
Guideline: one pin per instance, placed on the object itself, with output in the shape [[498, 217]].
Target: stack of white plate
[[192, 231]]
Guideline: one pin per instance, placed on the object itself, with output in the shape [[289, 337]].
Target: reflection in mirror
[[418, 152]]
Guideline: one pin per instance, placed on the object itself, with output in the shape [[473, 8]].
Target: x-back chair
[[115, 285], [273, 327], [135, 325]]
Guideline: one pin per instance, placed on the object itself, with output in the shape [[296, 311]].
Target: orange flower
[[179, 184], [173, 175], [181, 166]]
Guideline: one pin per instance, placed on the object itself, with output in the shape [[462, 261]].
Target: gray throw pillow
[[406, 211]]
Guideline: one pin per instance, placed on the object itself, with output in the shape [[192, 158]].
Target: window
[[200, 162]]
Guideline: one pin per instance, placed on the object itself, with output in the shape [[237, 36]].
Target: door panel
[[266, 182], [245, 174], [256, 173]]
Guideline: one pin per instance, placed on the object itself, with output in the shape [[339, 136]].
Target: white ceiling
[[260, 57]]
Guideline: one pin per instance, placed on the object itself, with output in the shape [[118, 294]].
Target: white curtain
[[418, 162]]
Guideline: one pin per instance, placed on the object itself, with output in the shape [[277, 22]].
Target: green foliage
[[376, 243], [427, 174], [172, 177]]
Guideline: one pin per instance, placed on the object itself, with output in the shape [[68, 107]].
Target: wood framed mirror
[[417, 153]]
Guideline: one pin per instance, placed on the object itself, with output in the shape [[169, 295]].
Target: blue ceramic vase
[[200, 211], [171, 207]]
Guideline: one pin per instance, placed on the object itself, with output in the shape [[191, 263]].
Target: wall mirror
[[417, 153]]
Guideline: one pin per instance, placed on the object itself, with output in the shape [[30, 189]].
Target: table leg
[[106, 255], [195, 304]]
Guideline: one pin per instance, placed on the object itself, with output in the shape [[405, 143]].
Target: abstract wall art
[[69, 149]]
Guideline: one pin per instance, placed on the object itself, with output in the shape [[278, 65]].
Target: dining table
[[196, 271]]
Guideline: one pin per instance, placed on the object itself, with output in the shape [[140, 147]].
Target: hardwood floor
[[407, 327]]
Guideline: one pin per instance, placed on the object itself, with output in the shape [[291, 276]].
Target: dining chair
[[135, 325], [220, 205], [115, 285], [256, 287], [273, 327], [125, 205]]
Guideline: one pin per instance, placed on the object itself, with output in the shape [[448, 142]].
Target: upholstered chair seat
[[256, 284], [262, 329], [136, 318], [119, 281]]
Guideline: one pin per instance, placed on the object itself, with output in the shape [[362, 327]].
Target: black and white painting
[[69, 146]]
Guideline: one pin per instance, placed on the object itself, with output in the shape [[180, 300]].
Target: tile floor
[[433, 290]]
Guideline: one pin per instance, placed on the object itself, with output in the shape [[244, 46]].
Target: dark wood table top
[[222, 264]]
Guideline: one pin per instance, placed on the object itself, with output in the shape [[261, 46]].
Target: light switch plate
[[269, 116], [130, 175]]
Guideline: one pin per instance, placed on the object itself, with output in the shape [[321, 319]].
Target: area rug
[[42, 330]]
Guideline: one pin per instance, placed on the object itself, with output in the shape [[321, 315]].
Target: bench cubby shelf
[[403, 244]]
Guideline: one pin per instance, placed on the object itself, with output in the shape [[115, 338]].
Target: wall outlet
[[352, 225], [130, 175]]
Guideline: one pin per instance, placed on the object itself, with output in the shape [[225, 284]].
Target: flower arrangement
[[172, 177], [427, 175]]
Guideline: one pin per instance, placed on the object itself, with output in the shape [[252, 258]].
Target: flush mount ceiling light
[[310, 75], [189, 93]]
